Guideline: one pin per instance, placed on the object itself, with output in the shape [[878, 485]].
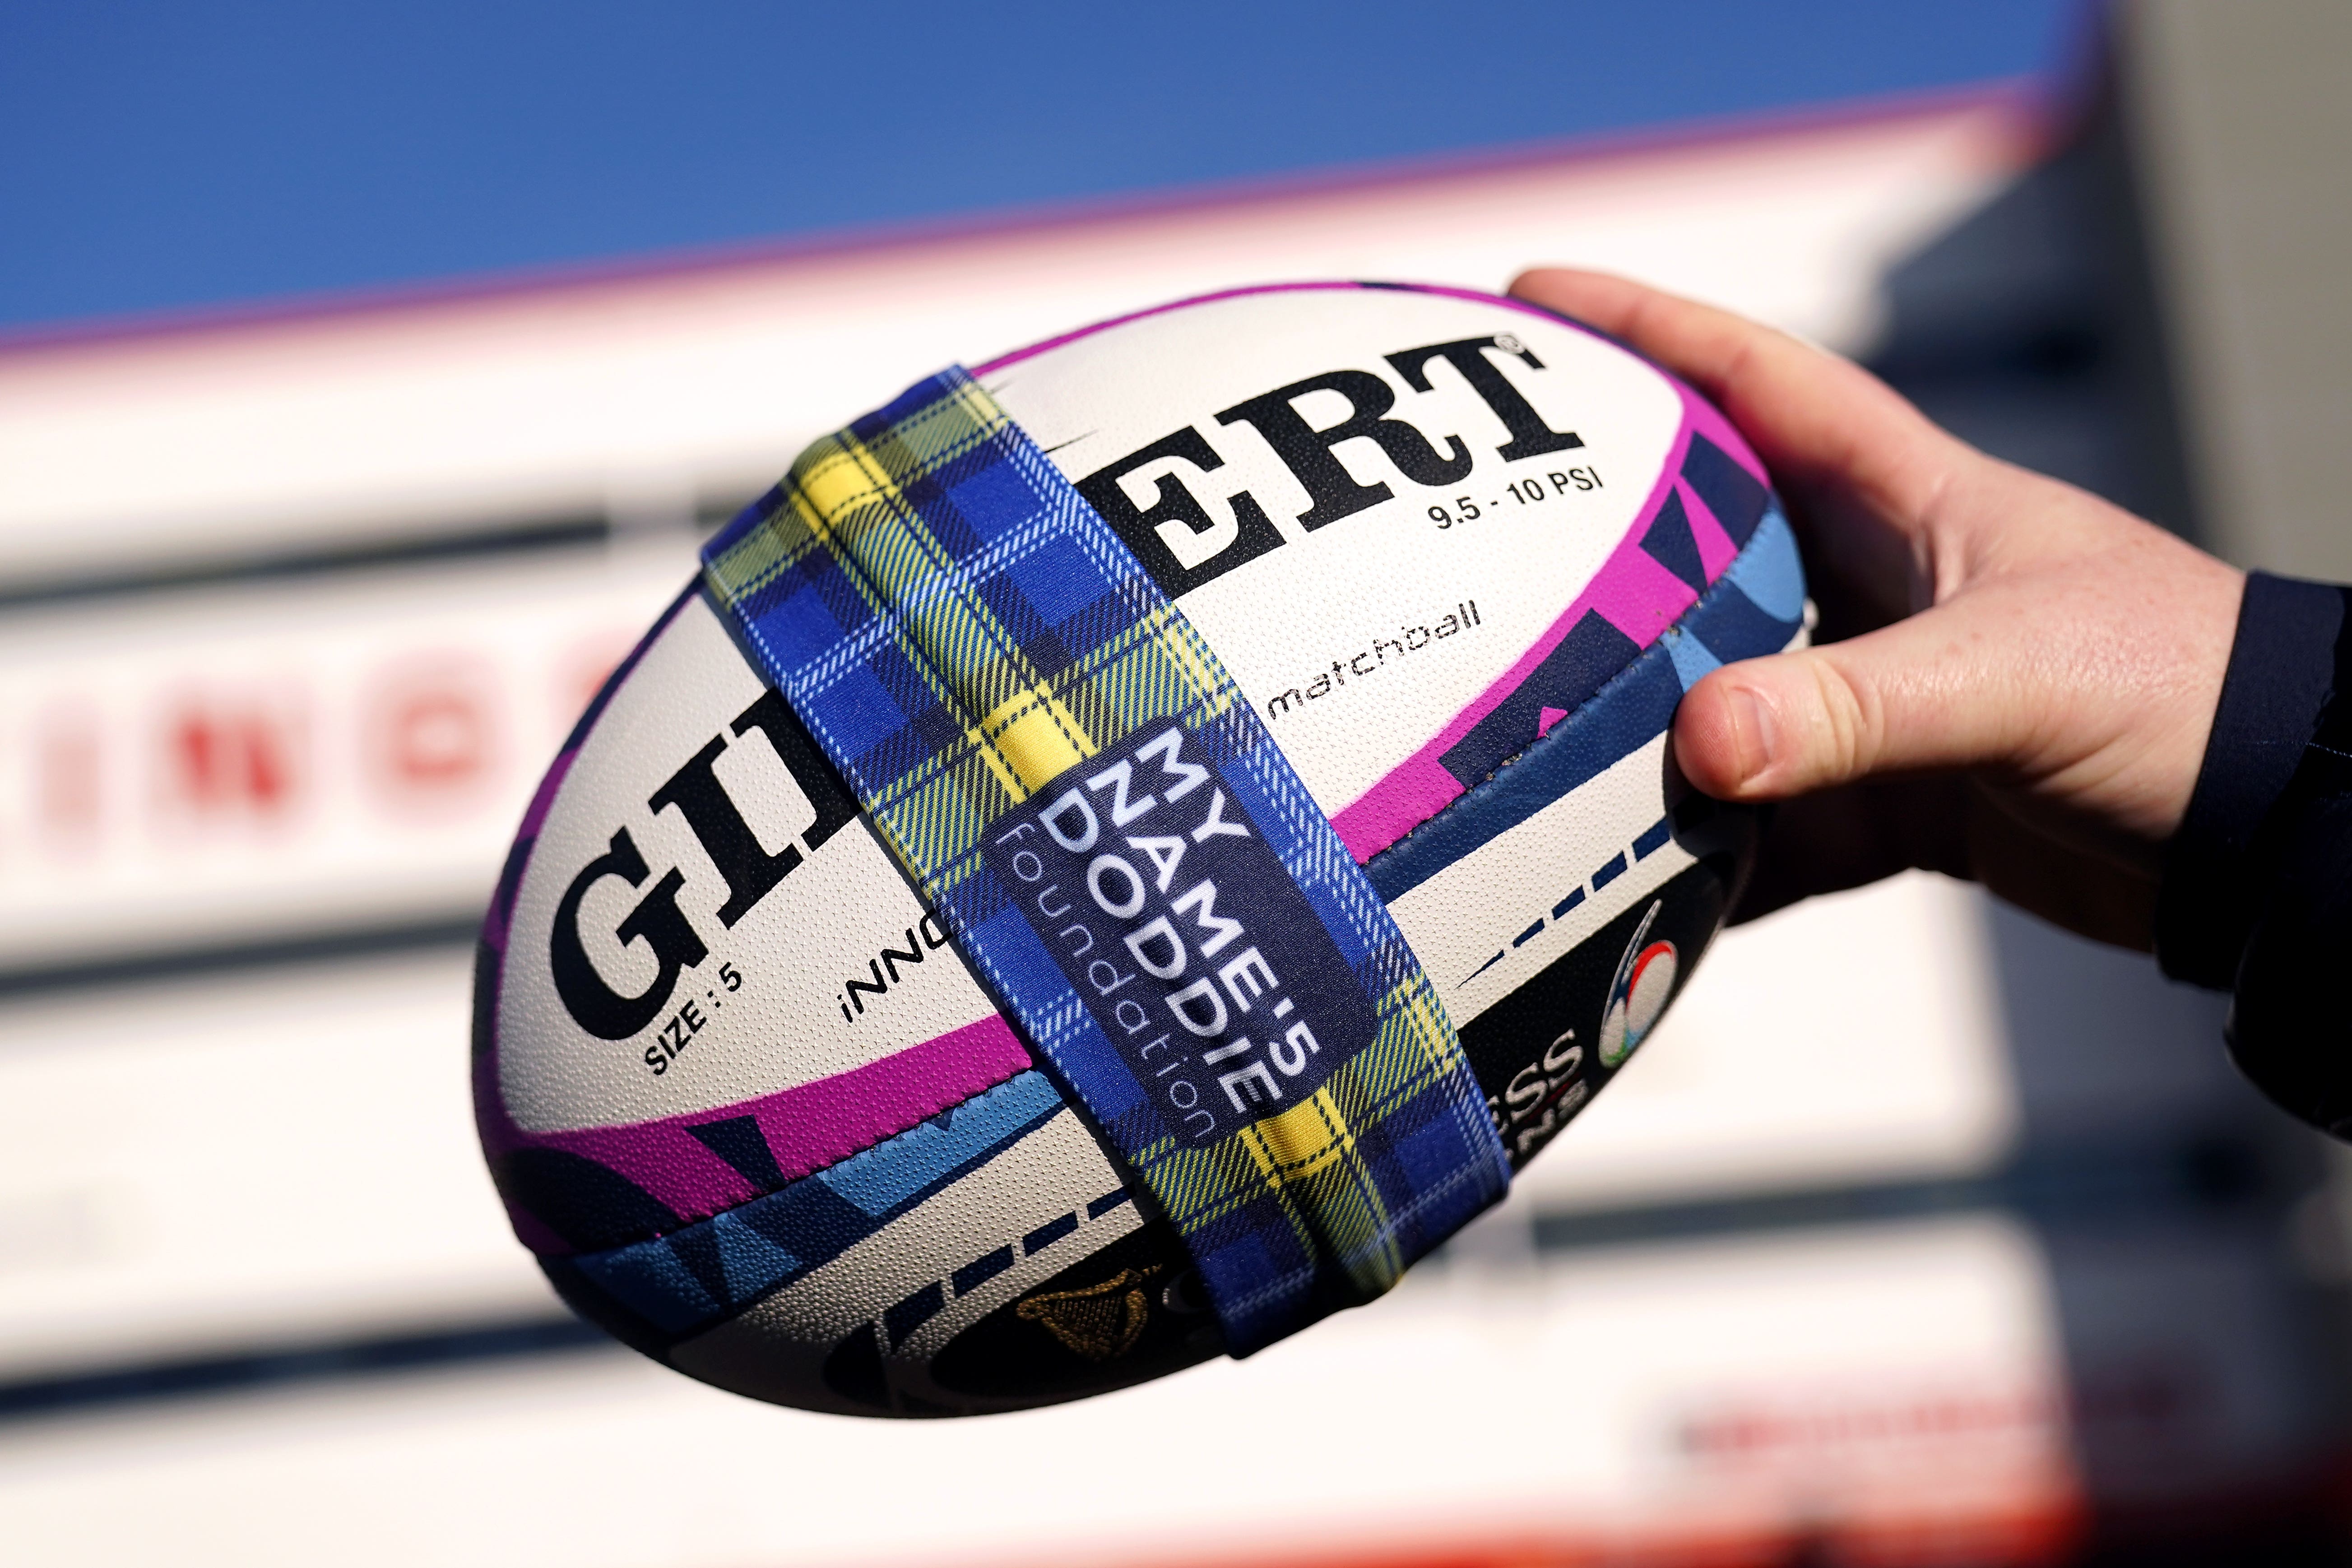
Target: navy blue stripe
[[693, 1276], [1046, 1235], [1628, 713]]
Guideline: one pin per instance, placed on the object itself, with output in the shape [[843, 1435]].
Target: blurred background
[[367, 380]]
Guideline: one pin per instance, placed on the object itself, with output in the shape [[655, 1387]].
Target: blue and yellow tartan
[[959, 629]]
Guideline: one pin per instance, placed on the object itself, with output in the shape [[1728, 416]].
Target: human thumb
[[1929, 692]]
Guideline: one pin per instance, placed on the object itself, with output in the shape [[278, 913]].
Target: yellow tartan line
[[849, 495], [1310, 1163]]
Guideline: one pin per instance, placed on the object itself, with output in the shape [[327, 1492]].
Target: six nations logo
[[1645, 980]]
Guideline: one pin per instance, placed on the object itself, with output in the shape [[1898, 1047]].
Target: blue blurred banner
[[159, 157]]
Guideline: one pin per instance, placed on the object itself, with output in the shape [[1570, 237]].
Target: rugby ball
[[750, 1106]]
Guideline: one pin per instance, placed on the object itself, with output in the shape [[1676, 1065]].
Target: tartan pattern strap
[[1006, 691]]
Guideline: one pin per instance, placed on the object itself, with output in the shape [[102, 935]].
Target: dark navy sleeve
[[2257, 893]]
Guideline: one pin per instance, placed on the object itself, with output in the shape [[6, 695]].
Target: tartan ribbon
[[1026, 718]]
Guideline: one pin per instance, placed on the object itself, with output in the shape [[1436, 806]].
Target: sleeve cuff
[[2281, 677]]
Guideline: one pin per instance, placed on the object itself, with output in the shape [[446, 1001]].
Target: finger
[[1849, 837], [1939, 691], [1816, 419], [2081, 891]]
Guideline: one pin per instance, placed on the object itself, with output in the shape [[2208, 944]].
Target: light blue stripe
[[1692, 661], [1769, 572], [893, 1171], [649, 1280], [750, 1261]]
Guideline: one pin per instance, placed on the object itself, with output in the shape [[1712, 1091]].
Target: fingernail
[[1753, 732]]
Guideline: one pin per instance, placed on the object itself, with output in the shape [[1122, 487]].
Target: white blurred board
[[1855, 1038], [294, 757], [209, 1166], [1737, 1392]]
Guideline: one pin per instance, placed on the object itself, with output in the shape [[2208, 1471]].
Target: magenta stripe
[[1034, 350], [1639, 596], [533, 1233], [807, 1127], [819, 1123], [1630, 590], [1715, 547]]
